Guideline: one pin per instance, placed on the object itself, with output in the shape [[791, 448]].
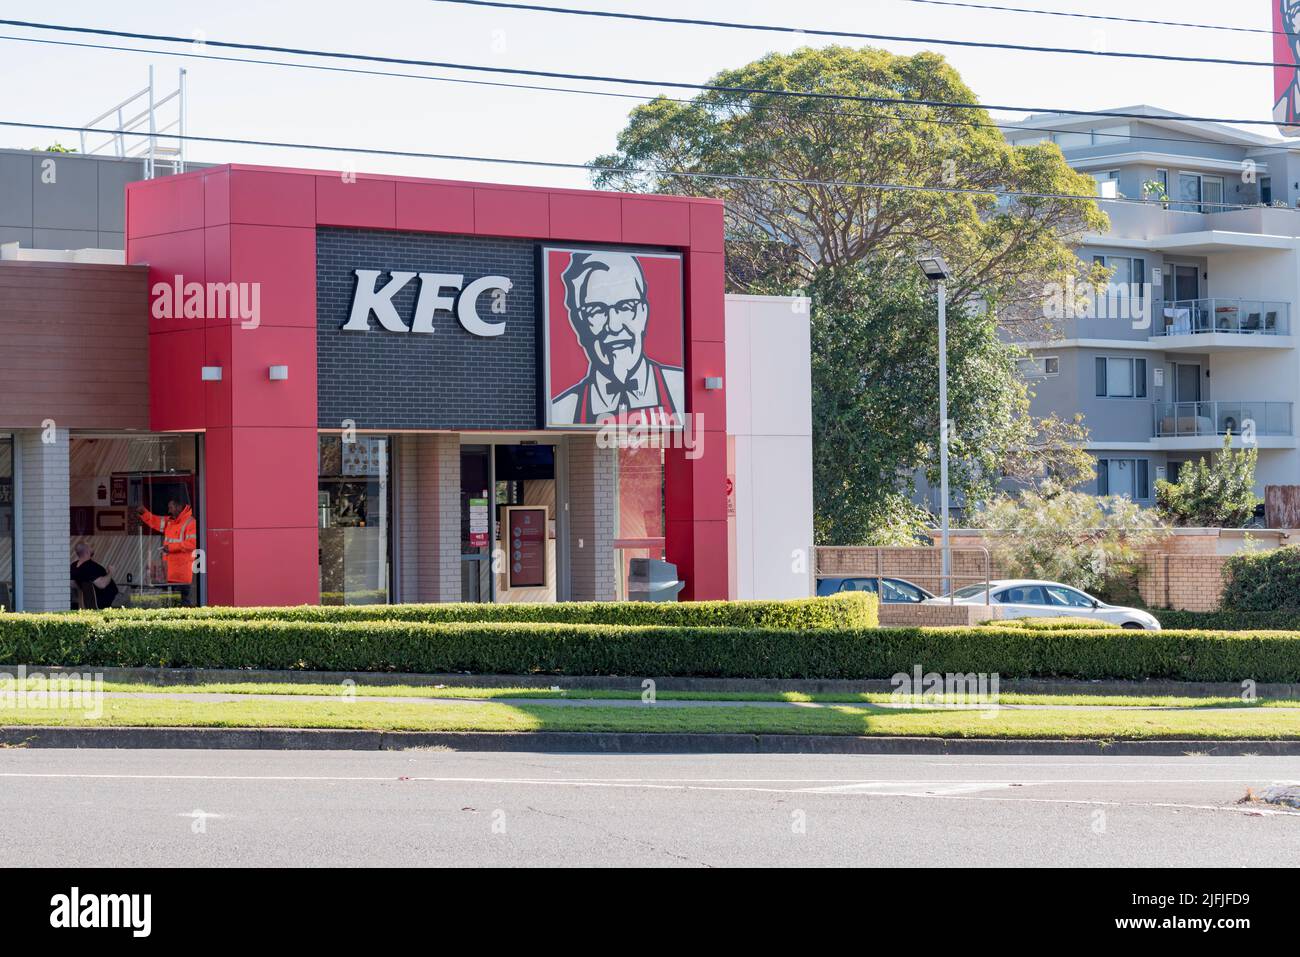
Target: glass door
[[475, 523], [1187, 382]]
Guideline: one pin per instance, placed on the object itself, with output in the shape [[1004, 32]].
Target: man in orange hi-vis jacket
[[180, 538]]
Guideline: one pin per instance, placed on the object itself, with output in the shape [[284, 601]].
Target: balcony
[[1218, 324], [1245, 317], [1203, 424]]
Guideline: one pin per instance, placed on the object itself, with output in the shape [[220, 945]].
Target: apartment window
[[1107, 183], [1266, 190], [1121, 378], [1127, 287], [1071, 140], [1094, 137], [1200, 193], [1162, 177], [1038, 367], [1127, 477]]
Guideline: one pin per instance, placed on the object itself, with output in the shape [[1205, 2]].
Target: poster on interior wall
[[478, 523], [363, 457], [613, 337], [526, 543]]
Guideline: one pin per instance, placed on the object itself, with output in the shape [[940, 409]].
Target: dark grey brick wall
[[448, 380]]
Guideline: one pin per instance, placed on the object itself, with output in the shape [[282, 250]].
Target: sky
[[52, 84]]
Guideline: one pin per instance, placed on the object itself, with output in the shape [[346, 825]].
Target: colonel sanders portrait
[[1286, 112], [605, 295]]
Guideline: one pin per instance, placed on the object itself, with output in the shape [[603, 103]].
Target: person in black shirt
[[85, 570]]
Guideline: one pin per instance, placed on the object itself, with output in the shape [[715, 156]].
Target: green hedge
[[1049, 624], [88, 641], [1228, 620], [848, 610], [1262, 581]]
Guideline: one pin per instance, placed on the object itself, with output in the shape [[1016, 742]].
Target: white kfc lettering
[[368, 299], [433, 298]]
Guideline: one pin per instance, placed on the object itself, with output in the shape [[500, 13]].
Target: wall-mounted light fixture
[[713, 383], [211, 373], [278, 373]]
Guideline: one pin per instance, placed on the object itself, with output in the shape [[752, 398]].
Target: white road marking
[[954, 790], [829, 783], [913, 789]]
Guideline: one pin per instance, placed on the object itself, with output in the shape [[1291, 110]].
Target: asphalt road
[[335, 808]]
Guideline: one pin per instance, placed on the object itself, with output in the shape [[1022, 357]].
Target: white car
[[1024, 598]]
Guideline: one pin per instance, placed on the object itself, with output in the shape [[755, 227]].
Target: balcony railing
[[1181, 419], [1253, 317]]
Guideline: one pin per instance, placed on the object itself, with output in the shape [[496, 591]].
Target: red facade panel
[[344, 200], [524, 213], [581, 218], [435, 208]]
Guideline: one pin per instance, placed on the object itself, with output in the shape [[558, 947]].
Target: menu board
[[526, 544]]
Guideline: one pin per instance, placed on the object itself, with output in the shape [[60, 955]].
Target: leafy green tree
[[852, 247], [1094, 543], [876, 406], [1002, 252], [1218, 494]]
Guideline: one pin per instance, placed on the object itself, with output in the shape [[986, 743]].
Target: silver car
[[1026, 598]]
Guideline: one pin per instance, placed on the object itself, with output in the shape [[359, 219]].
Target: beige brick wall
[[1181, 571], [429, 510], [43, 511], [930, 616], [1186, 582], [593, 504], [921, 565]]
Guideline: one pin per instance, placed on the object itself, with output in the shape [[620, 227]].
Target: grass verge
[[838, 719], [596, 694]]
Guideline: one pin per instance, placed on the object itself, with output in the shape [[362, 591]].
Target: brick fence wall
[[1181, 572], [1186, 582], [921, 565], [930, 616]]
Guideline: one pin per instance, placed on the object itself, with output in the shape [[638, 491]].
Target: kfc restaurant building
[[391, 389]]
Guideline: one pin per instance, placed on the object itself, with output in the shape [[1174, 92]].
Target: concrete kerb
[[611, 743], [1064, 686]]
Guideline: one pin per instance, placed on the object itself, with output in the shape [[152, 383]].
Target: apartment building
[[1195, 338]]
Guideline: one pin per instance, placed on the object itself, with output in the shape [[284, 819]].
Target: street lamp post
[[936, 270]]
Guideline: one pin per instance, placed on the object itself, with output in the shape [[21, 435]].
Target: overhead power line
[[628, 81], [994, 8], [593, 167], [852, 35], [639, 97]]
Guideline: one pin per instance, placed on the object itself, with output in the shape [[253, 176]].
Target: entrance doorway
[[1187, 382], [475, 523], [509, 489]]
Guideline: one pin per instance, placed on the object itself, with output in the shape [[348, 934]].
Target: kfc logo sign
[[439, 292], [614, 343]]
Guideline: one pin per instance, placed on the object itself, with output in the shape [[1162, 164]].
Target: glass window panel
[[110, 477], [1119, 378], [353, 500], [1212, 191], [1070, 140], [1120, 477]]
